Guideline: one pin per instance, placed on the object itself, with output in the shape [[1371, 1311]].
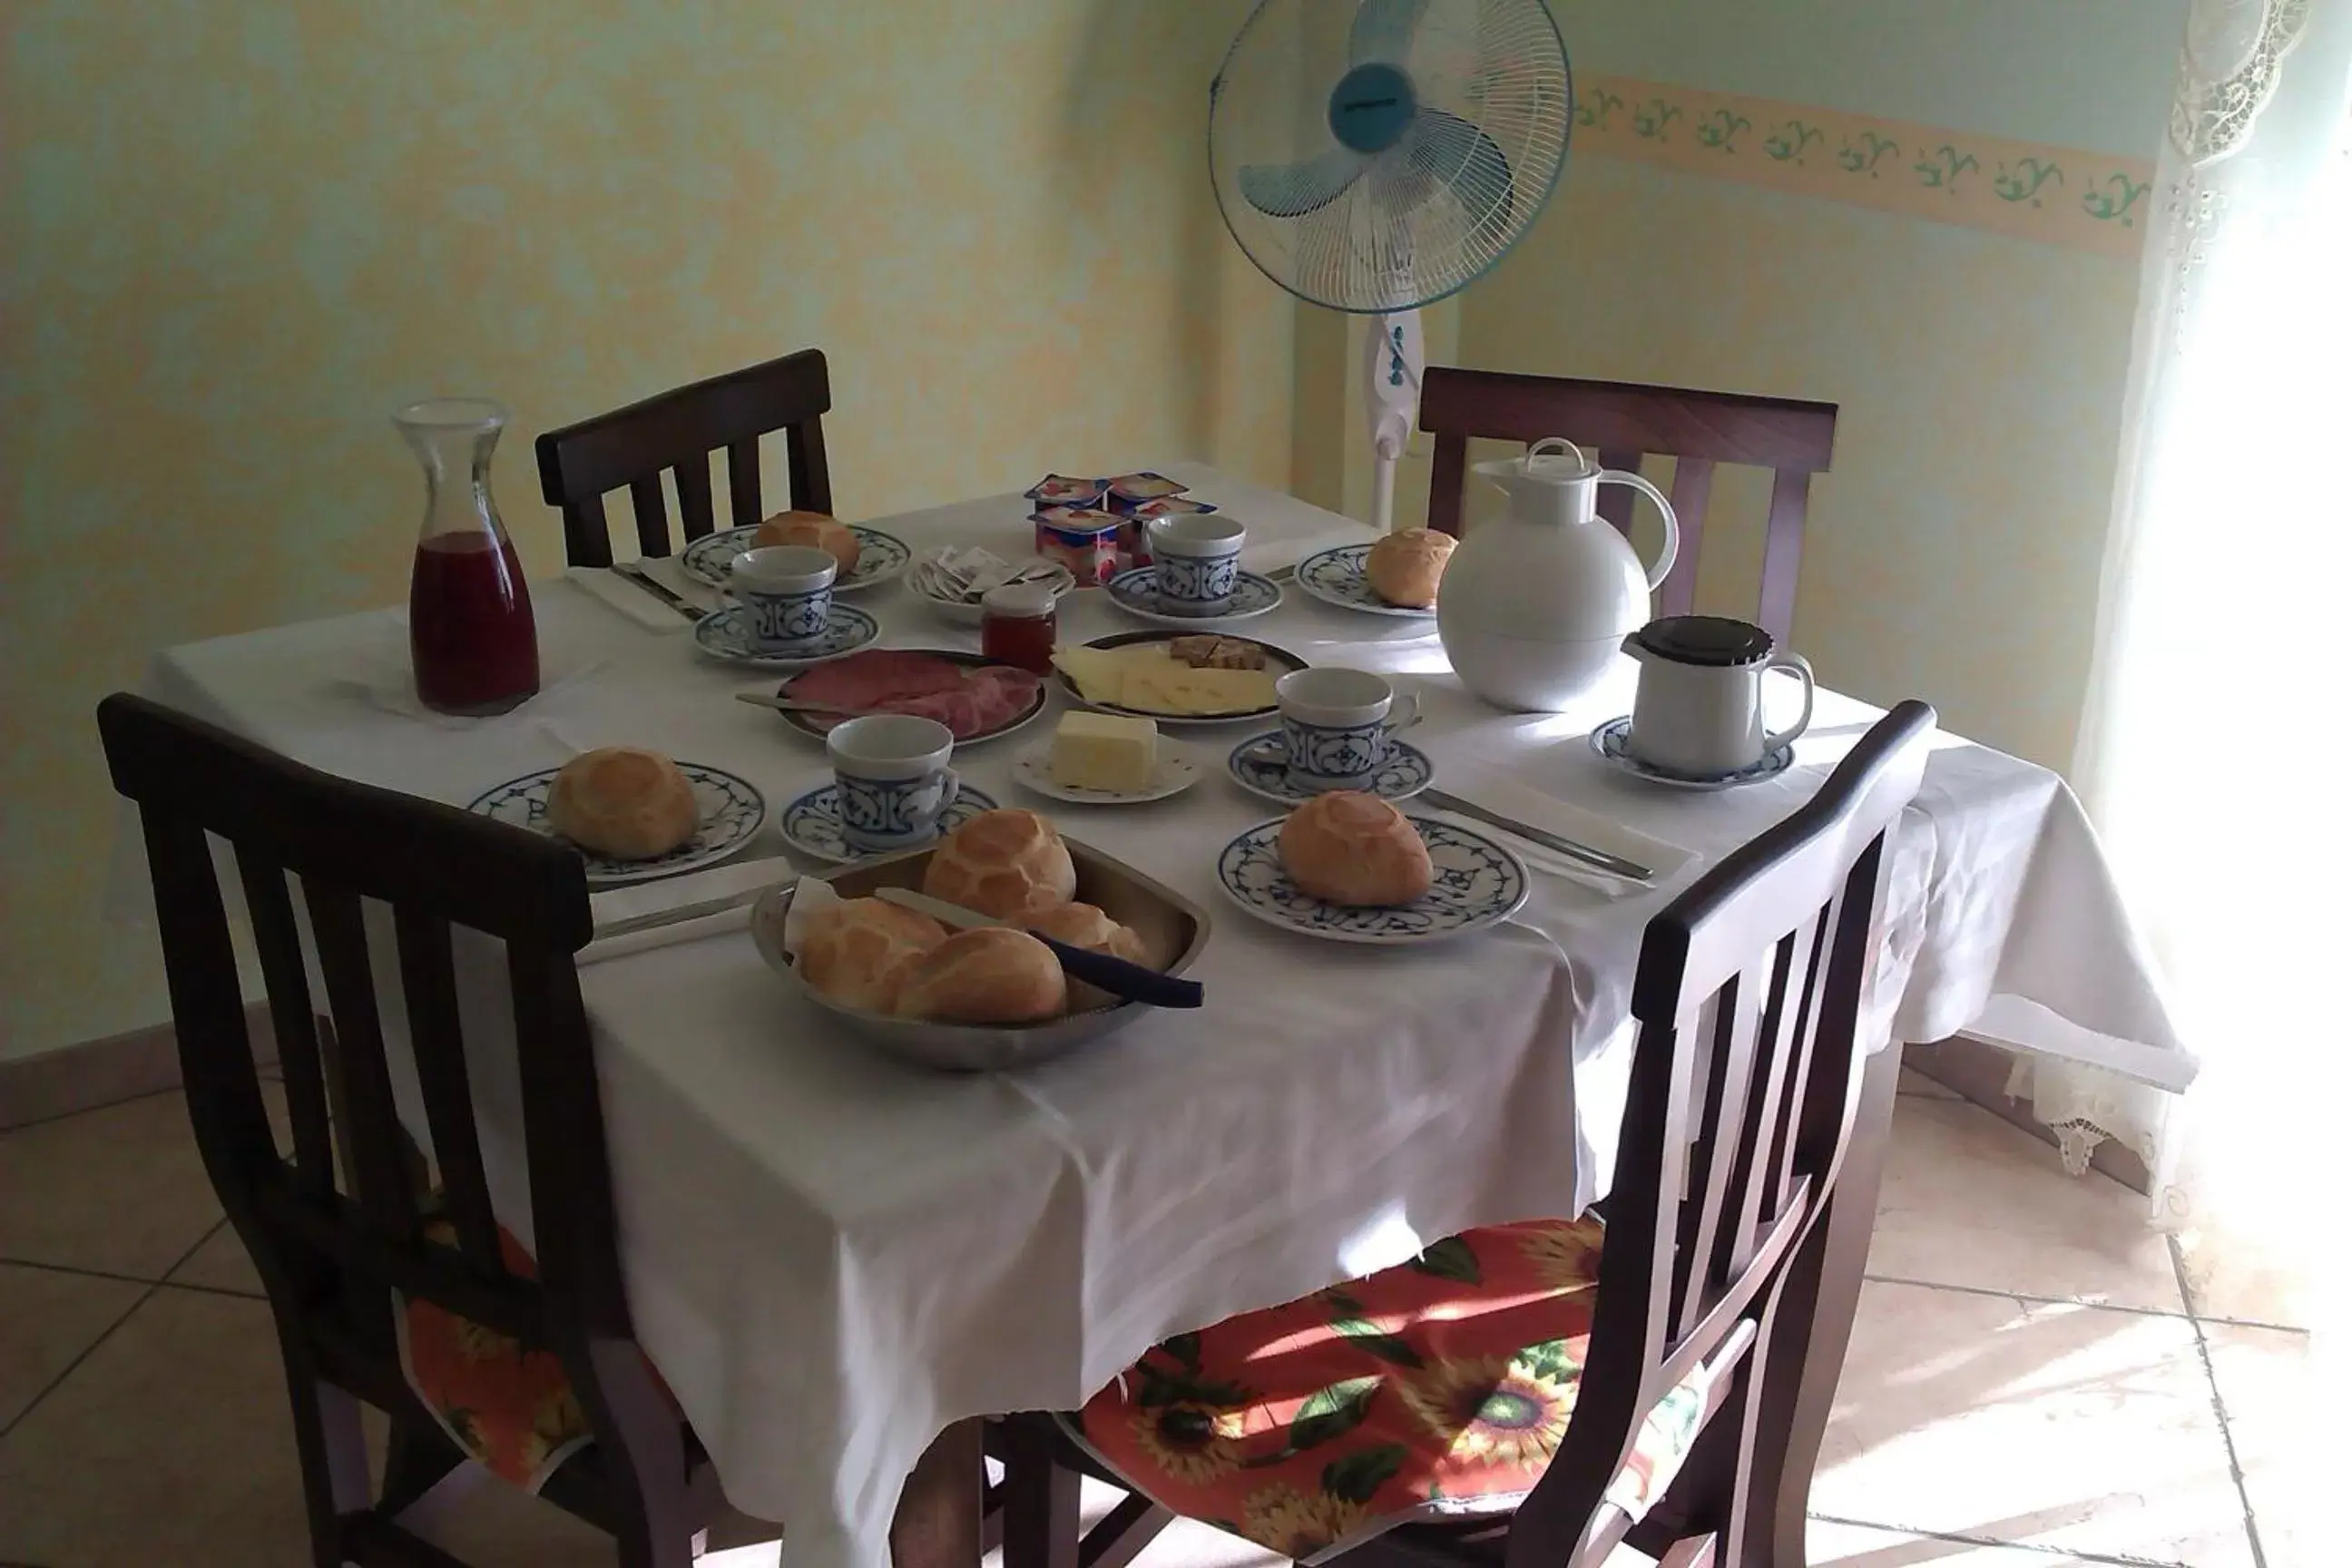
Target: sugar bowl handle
[[1795, 665]]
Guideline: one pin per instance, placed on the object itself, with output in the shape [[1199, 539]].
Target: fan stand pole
[[1383, 491], [1392, 401]]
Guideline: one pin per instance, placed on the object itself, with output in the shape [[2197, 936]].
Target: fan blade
[[1450, 150], [1382, 30], [1294, 190]]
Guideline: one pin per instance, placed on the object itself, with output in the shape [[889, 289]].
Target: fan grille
[[1431, 213]]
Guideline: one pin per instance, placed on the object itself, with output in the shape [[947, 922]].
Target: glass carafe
[[470, 633]]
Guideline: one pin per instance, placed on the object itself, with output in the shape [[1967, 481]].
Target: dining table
[[834, 1257]]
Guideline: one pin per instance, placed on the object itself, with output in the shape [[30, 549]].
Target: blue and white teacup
[[786, 592], [891, 776], [1196, 561], [1338, 725]]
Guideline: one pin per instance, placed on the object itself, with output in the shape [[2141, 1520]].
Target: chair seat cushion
[[1441, 1386], [510, 1408]]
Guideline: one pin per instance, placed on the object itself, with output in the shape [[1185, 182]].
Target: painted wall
[[1953, 552], [241, 231]]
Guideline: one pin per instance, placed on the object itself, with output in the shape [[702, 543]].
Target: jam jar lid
[[1020, 601], [1711, 642]]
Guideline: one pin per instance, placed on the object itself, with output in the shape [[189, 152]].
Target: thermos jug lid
[[1713, 642]]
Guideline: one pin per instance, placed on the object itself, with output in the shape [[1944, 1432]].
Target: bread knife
[[1130, 982], [630, 572], [1600, 860]]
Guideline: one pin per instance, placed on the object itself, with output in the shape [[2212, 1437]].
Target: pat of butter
[[1169, 687], [1105, 751]]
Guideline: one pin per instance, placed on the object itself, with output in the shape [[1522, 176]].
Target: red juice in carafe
[[470, 631]]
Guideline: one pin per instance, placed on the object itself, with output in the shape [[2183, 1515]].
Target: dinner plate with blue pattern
[[732, 811], [1138, 592], [880, 557], [1336, 576], [1610, 741], [726, 634], [811, 824], [1261, 766], [1476, 884]]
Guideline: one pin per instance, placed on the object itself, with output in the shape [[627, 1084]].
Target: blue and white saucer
[[1477, 884], [880, 557], [1260, 766], [1609, 741], [727, 635], [811, 824], [1336, 576], [732, 811], [1138, 592]]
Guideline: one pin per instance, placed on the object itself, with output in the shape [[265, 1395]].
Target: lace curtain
[[2219, 707]]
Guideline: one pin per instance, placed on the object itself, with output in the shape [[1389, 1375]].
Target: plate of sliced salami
[[979, 698]]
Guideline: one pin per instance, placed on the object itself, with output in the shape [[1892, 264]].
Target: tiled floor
[[2027, 1384]]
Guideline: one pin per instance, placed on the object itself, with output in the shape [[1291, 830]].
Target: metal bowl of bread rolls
[[987, 999]]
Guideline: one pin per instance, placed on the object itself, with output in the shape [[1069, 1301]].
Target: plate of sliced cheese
[[1107, 759], [1204, 679]]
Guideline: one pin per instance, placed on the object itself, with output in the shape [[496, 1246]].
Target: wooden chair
[[1296, 1425], [332, 1246], [1622, 421], [579, 464]]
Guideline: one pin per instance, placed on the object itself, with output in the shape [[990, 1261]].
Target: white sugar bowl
[[1535, 604]]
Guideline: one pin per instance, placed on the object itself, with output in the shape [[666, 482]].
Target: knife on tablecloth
[[630, 572], [1615, 865]]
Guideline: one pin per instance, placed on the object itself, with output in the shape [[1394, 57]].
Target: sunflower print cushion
[[1443, 1385], [511, 1408]]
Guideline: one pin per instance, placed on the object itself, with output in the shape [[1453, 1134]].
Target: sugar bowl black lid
[[1710, 642]]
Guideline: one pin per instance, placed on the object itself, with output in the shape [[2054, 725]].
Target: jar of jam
[[1017, 625]]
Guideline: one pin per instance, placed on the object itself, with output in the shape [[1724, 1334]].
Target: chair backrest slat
[[372, 1139], [1615, 503], [293, 1020], [695, 517], [743, 482], [1784, 544], [1694, 482], [804, 466], [1621, 422], [1778, 1038], [587, 537], [1708, 1193], [677, 431], [428, 983], [209, 1018], [652, 515], [1748, 998]]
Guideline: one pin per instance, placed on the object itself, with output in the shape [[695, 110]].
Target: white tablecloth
[[832, 1256]]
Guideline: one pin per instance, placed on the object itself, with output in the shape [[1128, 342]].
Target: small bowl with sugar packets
[[954, 581]]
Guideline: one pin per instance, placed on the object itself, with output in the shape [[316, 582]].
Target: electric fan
[[1428, 136]]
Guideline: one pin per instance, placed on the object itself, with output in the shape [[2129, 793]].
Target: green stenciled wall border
[[2056, 196]]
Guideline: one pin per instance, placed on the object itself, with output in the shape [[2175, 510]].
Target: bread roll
[[1349, 847], [856, 951], [1008, 865], [1083, 925], [993, 975], [815, 530], [1405, 568], [619, 801]]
